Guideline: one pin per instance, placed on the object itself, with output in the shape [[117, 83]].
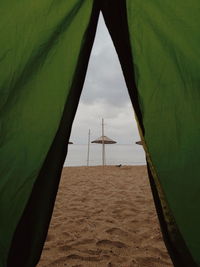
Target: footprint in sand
[[86, 258], [93, 252], [83, 258], [151, 261], [64, 259], [110, 243], [83, 242], [64, 248], [117, 232]]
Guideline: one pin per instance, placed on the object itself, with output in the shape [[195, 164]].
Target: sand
[[104, 217]]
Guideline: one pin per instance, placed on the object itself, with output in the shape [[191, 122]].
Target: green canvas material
[[40, 47], [44, 51], [165, 44]]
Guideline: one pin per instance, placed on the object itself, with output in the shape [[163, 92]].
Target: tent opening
[[99, 211], [105, 96]]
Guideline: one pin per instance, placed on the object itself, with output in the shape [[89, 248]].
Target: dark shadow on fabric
[[32, 229], [116, 22]]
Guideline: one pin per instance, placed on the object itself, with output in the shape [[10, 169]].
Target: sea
[[115, 154]]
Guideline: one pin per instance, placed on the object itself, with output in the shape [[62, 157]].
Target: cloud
[[104, 78], [119, 123], [104, 96]]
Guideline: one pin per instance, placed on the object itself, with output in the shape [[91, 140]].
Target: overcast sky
[[104, 96]]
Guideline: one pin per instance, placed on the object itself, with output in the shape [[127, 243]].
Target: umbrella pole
[[103, 144], [88, 152]]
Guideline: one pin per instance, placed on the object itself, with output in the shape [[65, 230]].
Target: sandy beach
[[104, 217]]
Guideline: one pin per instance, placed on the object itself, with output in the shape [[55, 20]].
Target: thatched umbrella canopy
[[104, 138], [139, 143]]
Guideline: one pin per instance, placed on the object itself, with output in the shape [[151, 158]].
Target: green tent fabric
[[44, 51]]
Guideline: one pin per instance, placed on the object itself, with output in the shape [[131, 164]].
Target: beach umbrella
[[104, 139]]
